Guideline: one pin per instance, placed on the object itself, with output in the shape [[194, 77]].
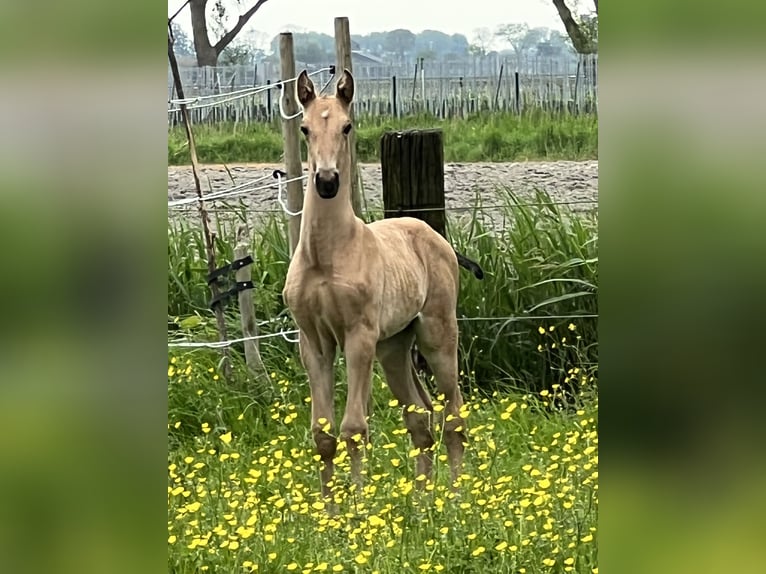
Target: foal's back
[[403, 238]]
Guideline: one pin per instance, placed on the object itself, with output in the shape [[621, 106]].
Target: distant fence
[[441, 88]]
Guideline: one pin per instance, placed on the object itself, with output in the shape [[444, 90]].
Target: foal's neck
[[328, 226]]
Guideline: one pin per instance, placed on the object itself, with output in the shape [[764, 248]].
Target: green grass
[[534, 135], [243, 486], [242, 478], [543, 264]]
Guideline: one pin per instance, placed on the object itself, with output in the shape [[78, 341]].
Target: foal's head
[[326, 125]]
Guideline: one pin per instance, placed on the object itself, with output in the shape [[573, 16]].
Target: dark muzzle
[[327, 184]]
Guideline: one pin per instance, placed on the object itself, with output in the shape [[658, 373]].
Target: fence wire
[[285, 334]]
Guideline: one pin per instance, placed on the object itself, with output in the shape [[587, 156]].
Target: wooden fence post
[[290, 128], [343, 60], [206, 233], [412, 166], [246, 309]]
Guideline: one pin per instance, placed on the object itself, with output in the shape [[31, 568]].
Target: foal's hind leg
[[437, 340], [394, 356]]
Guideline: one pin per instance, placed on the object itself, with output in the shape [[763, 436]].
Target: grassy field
[[483, 137], [242, 477], [544, 264], [243, 486]]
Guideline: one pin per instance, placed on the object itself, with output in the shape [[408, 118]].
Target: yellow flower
[[548, 561], [337, 568], [478, 551], [571, 327], [360, 559], [587, 538], [393, 403], [172, 539], [226, 437], [292, 566], [541, 330], [502, 546], [376, 520]]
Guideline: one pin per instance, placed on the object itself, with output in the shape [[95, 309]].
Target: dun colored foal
[[369, 290]]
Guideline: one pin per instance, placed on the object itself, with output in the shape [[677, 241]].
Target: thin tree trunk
[[579, 39], [206, 53]]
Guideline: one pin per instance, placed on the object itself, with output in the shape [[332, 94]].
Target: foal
[[369, 289]]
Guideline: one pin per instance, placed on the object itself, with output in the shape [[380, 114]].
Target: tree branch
[[231, 34], [173, 17]]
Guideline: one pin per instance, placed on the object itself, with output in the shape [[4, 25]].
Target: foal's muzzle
[[327, 183]]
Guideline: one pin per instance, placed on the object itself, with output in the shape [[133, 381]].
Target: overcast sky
[[365, 16]]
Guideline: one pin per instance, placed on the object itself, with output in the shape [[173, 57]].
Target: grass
[[542, 262], [242, 475], [243, 486], [534, 135]]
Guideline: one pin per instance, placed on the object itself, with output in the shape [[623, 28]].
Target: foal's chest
[[338, 300]]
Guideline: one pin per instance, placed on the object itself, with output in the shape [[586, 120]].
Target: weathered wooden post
[[246, 308], [290, 133], [207, 234], [412, 165], [343, 60]]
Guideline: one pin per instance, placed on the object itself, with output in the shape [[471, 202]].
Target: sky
[[367, 16]]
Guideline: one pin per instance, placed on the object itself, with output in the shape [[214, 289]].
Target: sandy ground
[[565, 181]]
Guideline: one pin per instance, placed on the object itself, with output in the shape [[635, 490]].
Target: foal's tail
[[469, 264]]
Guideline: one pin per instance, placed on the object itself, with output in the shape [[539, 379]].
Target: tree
[[310, 47], [400, 42], [221, 17], [521, 38], [582, 30], [482, 41], [182, 44]]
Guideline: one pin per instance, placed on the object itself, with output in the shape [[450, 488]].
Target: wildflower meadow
[[243, 477]]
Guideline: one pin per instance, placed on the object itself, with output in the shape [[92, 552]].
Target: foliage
[[538, 260], [482, 42], [226, 20], [242, 485], [237, 53], [581, 26], [482, 137], [309, 47], [182, 44], [242, 473]]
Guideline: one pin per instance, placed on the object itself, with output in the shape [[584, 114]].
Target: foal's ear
[[344, 90], [304, 88]]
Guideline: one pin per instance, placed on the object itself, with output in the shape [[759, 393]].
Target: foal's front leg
[[360, 354], [318, 360]]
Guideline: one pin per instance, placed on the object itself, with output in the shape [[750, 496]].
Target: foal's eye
[[346, 129], [305, 130]]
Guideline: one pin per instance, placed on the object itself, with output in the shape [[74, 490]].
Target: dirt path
[[566, 181]]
